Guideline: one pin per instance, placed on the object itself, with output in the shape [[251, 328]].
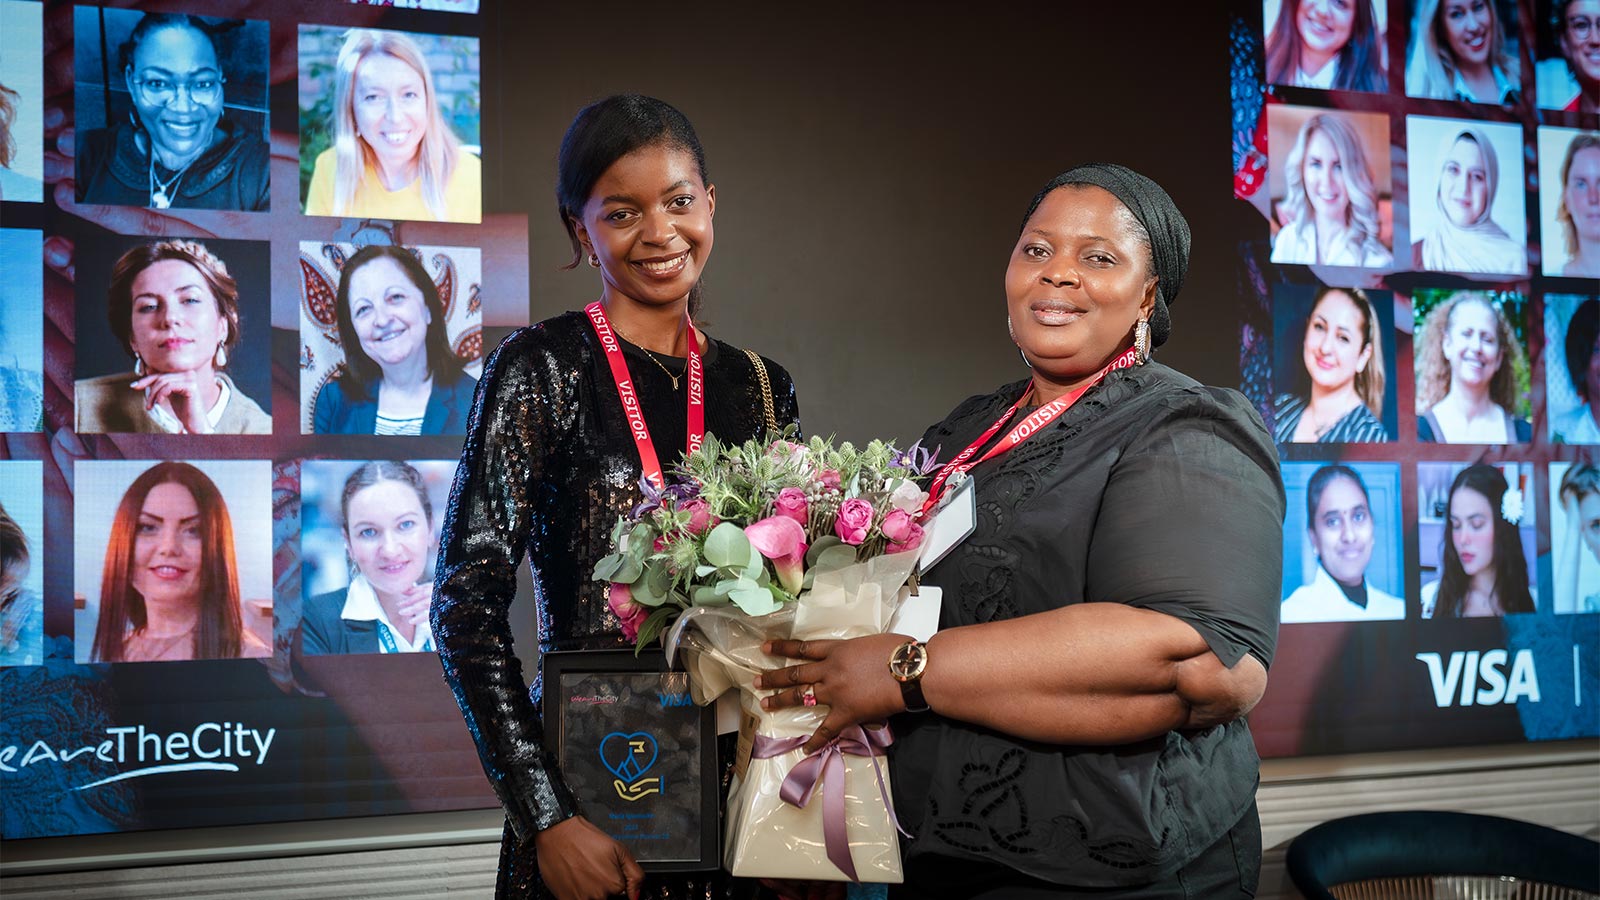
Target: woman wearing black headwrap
[[1075, 729]]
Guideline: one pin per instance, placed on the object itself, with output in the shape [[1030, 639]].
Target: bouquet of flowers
[[779, 540]]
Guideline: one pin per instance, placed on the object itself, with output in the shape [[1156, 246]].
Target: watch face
[[908, 661]]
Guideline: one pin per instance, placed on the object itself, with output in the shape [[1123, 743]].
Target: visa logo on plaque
[[629, 757]]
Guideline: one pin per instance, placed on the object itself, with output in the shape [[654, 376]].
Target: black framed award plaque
[[638, 754]]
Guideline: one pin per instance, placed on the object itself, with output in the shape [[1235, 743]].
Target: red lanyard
[[1034, 423], [648, 460]]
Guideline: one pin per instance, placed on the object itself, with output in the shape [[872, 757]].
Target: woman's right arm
[[491, 513]]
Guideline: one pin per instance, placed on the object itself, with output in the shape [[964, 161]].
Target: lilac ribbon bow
[[828, 764]]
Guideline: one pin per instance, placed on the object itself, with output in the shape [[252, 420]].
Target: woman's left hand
[[850, 677]]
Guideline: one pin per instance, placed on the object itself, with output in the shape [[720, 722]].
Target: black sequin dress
[[548, 466]]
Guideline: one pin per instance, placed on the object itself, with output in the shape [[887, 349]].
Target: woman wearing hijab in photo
[[1341, 530], [175, 310], [1466, 362], [170, 588], [1580, 500], [1047, 614], [1342, 401], [1483, 572], [388, 535], [1458, 52], [551, 461], [21, 610], [1330, 200], [1579, 213], [393, 155], [178, 148], [1327, 44], [1581, 425], [400, 375], [1465, 238]]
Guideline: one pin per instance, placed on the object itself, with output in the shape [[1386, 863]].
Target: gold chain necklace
[[651, 355]]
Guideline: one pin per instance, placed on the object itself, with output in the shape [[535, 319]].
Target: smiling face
[[1472, 530], [1323, 173], [168, 547], [176, 84], [388, 536], [1341, 531], [1325, 25], [1077, 282], [1472, 344], [391, 110], [1580, 39], [177, 323], [648, 220], [1589, 522], [1468, 27], [388, 312], [1581, 194], [1335, 348], [1464, 183]]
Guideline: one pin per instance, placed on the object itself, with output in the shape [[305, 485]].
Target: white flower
[[907, 497], [1511, 506]]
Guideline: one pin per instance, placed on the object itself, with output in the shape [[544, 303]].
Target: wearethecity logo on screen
[[208, 747]]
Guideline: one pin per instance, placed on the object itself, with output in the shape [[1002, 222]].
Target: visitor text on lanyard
[[1032, 424], [648, 461]]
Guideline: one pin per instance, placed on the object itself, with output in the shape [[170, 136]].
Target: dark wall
[[872, 167]]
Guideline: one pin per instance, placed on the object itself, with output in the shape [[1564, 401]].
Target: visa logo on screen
[[1468, 669]]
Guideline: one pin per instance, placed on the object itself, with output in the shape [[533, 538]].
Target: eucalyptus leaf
[[606, 569], [755, 601], [726, 545], [707, 595], [823, 543], [756, 565], [628, 571], [703, 571], [835, 558]]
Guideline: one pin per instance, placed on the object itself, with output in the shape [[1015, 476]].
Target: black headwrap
[[1168, 230]]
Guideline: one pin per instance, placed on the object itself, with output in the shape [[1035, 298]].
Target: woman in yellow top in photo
[[393, 156]]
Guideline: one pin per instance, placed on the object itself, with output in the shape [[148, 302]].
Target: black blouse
[[548, 466], [1152, 491]]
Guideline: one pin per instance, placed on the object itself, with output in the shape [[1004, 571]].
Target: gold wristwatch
[[906, 664]]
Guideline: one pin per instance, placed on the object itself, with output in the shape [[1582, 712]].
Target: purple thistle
[[916, 459]]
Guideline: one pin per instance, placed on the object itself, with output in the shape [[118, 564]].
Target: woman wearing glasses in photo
[[177, 149], [1572, 82]]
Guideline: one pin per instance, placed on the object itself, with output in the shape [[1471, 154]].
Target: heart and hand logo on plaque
[[629, 757]]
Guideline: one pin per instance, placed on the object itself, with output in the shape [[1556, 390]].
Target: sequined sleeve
[[512, 436]]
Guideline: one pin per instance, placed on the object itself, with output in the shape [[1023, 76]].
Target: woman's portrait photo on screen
[[1464, 50], [1476, 539], [1575, 535], [1335, 45], [389, 125], [369, 535], [1330, 365], [391, 338], [1342, 543], [1472, 371], [170, 110], [1330, 185], [172, 560], [1567, 65], [1572, 368], [1466, 198], [21, 563], [1569, 202], [21, 330], [172, 337], [22, 102]]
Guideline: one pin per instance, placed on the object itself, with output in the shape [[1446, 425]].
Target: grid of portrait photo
[[1425, 350], [237, 249]]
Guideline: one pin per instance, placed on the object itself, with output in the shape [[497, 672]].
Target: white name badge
[[956, 517], [917, 615]]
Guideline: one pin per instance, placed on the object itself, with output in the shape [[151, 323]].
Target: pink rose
[[700, 518], [829, 479], [782, 540], [791, 503], [786, 450], [629, 613], [855, 519], [903, 533]]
